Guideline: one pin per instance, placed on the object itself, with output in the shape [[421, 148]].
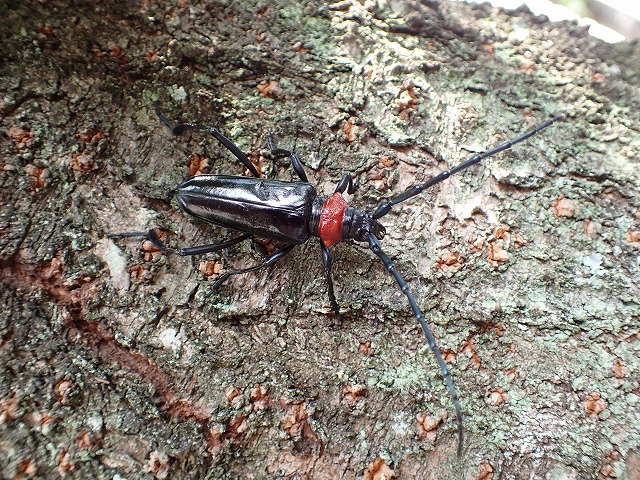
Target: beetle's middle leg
[[273, 258], [199, 250], [296, 164]]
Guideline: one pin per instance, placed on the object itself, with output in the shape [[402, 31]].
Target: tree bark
[[121, 362]]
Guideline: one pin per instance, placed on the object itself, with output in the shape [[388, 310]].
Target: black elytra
[[293, 212]]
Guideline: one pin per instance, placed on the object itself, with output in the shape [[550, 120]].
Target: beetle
[[293, 212]]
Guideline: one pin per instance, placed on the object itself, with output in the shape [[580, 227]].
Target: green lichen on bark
[[527, 265]]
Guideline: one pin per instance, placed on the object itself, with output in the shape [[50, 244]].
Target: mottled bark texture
[[119, 362]]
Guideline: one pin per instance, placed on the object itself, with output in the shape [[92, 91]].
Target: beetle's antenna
[[385, 207], [375, 248]]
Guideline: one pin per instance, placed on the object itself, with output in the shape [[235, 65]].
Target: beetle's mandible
[[293, 212]]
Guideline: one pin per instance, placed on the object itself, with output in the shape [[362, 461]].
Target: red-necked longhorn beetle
[[293, 212]]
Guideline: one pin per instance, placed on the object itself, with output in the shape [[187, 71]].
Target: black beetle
[[292, 212]]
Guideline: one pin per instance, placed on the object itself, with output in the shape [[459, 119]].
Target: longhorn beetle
[[292, 212]]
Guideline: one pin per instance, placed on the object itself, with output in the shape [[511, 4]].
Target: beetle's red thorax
[[331, 218]]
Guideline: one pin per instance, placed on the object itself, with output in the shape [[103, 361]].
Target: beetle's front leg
[[152, 236]]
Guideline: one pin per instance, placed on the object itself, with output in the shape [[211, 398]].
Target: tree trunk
[[118, 361]]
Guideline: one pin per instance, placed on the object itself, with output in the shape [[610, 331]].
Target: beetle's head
[[358, 224]]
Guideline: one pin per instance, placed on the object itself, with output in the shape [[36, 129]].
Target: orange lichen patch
[[518, 241], [62, 389], [594, 404], [449, 261], [485, 471], [607, 469], [527, 66], [633, 236], [83, 162], [495, 396], [259, 397], [379, 470], [407, 101], [426, 426], [296, 424], [158, 464], [38, 176], [496, 254], [151, 56], [25, 469], [197, 164], [90, 135], [258, 161], [478, 243], [512, 374], [352, 394], [219, 436], [65, 464], [563, 207], [299, 47], [598, 77], [149, 249], [210, 267], [139, 273], [87, 441], [490, 48], [350, 128], [619, 369], [386, 161], [46, 422], [469, 349], [8, 408], [448, 355], [295, 420], [365, 347], [115, 52], [269, 88], [233, 394], [502, 232], [22, 137]]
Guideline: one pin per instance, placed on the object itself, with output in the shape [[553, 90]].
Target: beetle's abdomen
[[262, 207]]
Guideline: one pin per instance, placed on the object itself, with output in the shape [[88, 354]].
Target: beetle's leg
[[375, 248], [228, 144], [386, 206], [296, 164], [199, 250], [268, 261], [346, 183], [327, 261]]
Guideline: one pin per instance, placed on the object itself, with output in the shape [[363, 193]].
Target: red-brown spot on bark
[[594, 404], [563, 207], [495, 396], [197, 164], [379, 470], [427, 425], [485, 471], [350, 129], [352, 394], [449, 261], [268, 89]]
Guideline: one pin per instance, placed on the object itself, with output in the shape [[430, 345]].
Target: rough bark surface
[[119, 362]]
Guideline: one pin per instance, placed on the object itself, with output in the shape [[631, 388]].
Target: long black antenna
[[385, 207], [375, 248]]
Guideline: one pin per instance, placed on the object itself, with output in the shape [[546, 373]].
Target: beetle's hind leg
[[152, 236], [273, 258], [228, 144]]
